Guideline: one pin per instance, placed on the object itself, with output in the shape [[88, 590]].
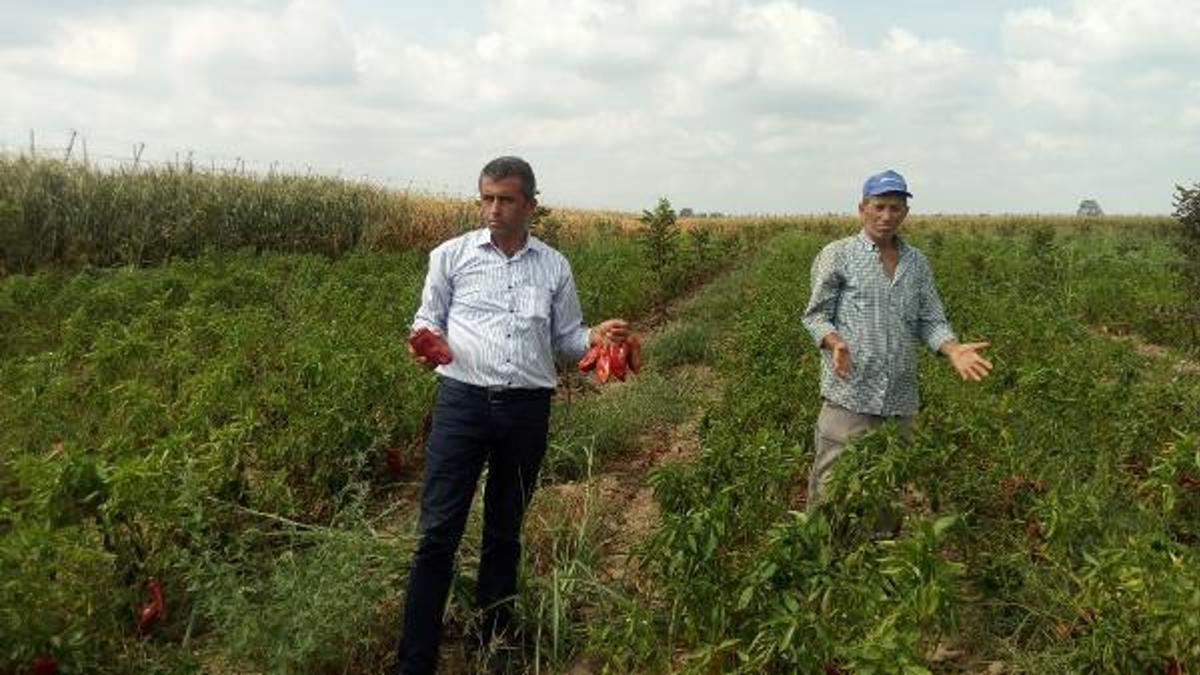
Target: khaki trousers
[[835, 427]]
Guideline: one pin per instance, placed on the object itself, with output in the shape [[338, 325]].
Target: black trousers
[[472, 426]]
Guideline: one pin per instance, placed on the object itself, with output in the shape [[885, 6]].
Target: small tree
[[1187, 209], [659, 242], [1089, 208], [686, 212], [1187, 212]]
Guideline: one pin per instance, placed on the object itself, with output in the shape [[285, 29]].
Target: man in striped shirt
[[506, 305], [872, 301]]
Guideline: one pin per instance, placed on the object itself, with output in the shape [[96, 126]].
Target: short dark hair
[[508, 166]]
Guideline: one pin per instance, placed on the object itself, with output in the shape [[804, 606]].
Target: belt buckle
[[495, 392]]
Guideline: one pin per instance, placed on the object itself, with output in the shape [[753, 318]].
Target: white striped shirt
[[880, 319], [504, 318]]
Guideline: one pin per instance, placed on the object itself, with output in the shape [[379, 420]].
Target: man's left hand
[[612, 330], [967, 361]]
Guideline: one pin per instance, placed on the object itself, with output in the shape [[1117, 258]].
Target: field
[[212, 398]]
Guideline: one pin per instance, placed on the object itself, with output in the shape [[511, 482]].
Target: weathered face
[[503, 207], [881, 215]]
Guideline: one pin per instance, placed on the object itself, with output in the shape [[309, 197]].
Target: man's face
[[881, 215], [502, 205]]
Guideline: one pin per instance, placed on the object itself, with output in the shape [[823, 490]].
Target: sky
[[736, 106]]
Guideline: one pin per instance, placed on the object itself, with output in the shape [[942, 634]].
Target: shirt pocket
[[533, 303], [907, 303]]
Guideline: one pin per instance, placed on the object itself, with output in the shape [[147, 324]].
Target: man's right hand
[[840, 352], [425, 363], [428, 356]]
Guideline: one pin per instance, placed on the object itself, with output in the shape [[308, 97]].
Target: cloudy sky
[[740, 106]]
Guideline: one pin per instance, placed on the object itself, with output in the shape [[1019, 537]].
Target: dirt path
[[624, 484]]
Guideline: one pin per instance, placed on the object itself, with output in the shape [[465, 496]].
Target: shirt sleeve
[[436, 295], [568, 334], [932, 326], [823, 300]]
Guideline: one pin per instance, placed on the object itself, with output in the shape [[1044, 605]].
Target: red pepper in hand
[[635, 354], [613, 359], [617, 354], [589, 359], [151, 610], [603, 366], [431, 346]]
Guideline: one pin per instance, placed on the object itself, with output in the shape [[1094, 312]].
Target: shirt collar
[[482, 238], [867, 245]]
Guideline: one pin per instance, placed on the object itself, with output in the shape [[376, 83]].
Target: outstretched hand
[[967, 360]]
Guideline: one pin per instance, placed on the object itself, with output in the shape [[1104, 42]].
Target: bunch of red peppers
[[613, 359], [431, 346]]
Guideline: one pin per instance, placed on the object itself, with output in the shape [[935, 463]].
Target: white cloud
[[1042, 82], [99, 49], [1107, 30], [306, 42], [752, 105]]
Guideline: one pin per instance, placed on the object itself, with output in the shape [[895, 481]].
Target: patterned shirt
[[504, 318], [880, 319]]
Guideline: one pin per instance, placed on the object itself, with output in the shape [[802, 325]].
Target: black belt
[[499, 392]]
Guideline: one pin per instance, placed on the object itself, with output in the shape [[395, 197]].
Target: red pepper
[[603, 366], [635, 354], [395, 462], [45, 665], [617, 354], [151, 610], [430, 345], [589, 359]]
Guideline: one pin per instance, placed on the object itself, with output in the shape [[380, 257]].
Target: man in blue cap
[[872, 301]]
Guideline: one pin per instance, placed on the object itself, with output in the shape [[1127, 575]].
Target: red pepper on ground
[[430, 345], [395, 461], [45, 665], [151, 610]]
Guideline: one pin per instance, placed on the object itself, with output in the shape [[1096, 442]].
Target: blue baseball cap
[[885, 182]]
